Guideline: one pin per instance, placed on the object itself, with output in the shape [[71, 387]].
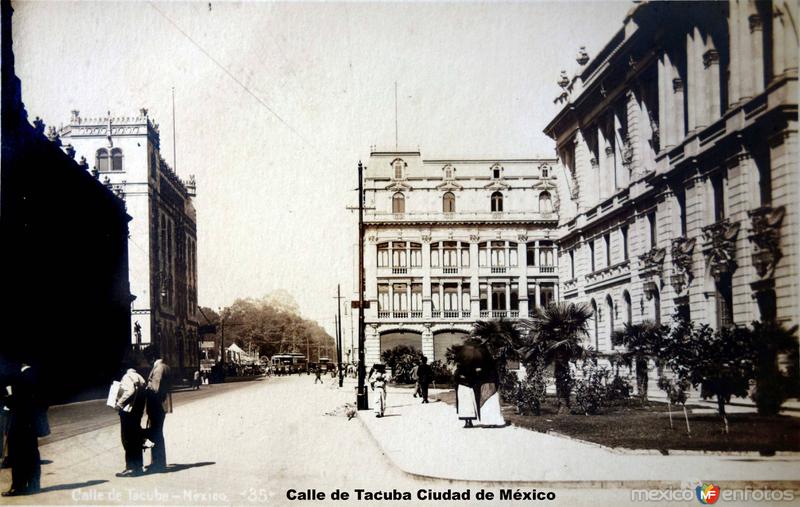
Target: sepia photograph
[[276, 252]]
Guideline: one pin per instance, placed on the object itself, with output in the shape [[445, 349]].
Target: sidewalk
[[428, 440]]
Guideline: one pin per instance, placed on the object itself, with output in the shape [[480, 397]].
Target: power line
[[233, 77]]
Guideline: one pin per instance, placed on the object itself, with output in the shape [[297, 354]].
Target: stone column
[[755, 34], [582, 171], [474, 280], [712, 71], [427, 343], [743, 196], [678, 132], [695, 76], [508, 297], [695, 220], [538, 295], [426, 277], [734, 43], [786, 192], [372, 346]]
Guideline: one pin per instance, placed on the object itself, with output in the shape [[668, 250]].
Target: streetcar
[[290, 362]]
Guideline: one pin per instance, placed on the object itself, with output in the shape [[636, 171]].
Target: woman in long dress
[[477, 396], [466, 403], [377, 381]]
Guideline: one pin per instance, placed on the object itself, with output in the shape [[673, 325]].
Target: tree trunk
[[669, 408], [561, 373], [641, 378], [721, 408], [686, 416]]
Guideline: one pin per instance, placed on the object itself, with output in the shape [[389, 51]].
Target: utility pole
[[339, 333], [362, 402]]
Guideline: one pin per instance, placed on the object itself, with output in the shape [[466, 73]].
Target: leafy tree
[[401, 360], [677, 394], [769, 340], [642, 342], [720, 362], [556, 333]]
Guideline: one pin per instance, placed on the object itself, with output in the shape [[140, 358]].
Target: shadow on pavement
[[72, 485], [179, 467]]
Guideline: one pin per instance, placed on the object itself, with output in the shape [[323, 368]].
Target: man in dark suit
[[424, 377], [23, 443], [158, 387]]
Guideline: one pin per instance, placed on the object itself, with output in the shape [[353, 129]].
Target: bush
[[530, 392], [441, 373], [401, 360], [590, 390], [509, 383], [618, 389]]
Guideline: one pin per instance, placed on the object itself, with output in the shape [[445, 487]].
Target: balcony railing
[[513, 314], [498, 270], [400, 315], [399, 271], [450, 271], [485, 314], [547, 269], [466, 314], [416, 314], [436, 314], [483, 216], [382, 314], [498, 314], [451, 314]]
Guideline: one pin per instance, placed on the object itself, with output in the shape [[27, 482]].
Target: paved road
[[247, 444]]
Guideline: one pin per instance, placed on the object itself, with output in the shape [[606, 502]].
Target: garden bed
[[633, 426]]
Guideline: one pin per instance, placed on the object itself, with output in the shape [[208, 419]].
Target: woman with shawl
[[477, 396]]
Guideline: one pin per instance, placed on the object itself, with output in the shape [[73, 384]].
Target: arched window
[[116, 159], [610, 312], [496, 170], [545, 204], [397, 167], [102, 160], [449, 202], [545, 171], [497, 201], [626, 297], [398, 203], [448, 172]]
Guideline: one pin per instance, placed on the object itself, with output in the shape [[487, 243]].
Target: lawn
[[633, 426]]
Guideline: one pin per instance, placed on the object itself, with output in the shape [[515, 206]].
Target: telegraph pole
[[339, 333], [361, 397]]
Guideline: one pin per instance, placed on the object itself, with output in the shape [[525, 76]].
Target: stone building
[[448, 242], [124, 153], [678, 157], [64, 257]]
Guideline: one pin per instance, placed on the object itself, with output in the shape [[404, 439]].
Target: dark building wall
[[63, 266]]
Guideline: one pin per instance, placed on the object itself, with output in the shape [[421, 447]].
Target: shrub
[[441, 373], [509, 384], [401, 360], [530, 392], [590, 390], [618, 389]]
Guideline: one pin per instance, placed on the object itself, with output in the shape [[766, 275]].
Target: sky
[[275, 104]]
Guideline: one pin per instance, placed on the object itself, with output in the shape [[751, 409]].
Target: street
[[243, 443]]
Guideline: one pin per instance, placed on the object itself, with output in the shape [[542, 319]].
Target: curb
[[588, 484], [673, 452]]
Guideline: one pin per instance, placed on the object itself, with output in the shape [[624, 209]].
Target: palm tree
[[556, 332], [641, 342], [502, 338]]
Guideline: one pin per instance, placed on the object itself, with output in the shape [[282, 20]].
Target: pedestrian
[[130, 405], [5, 417], [197, 379], [415, 378], [318, 375], [424, 377], [477, 395], [23, 441], [377, 382], [158, 404], [466, 404]]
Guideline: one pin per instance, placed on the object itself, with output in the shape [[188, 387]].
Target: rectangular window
[[651, 224], [498, 254], [484, 296], [482, 260], [514, 303], [607, 245], [546, 253], [399, 255], [512, 256], [450, 296], [531, 254], [624, 233], [680, 197], [591, 256], [416, 255], [450, 255], [435, 255], [416, 297], [499, 296], [383, 297], [465, 298], [383, 255], [435, 302], [400, 297], [464, 255], [717, 185], [572, 263]]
